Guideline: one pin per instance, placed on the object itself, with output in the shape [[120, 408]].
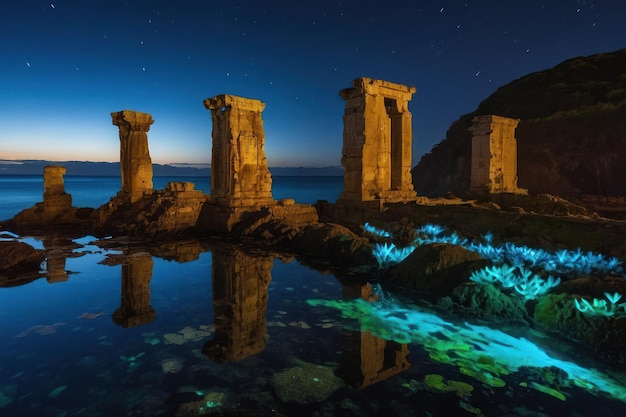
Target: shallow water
[[151, 335], [193, 328]]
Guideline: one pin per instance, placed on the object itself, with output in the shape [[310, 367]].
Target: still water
[[202, 327]]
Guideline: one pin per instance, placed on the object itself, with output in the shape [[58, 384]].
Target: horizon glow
[[66, 68]]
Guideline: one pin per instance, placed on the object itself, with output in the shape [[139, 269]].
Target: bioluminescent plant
[[502, 274], [601, 308], [375, 231], [562, 262], [521, 279], [479, 352], [534, 286], [387, 254]]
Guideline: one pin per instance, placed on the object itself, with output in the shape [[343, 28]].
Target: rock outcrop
[[571, 137], [19, 262]]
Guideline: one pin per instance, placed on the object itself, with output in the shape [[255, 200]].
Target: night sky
[[66, 65]]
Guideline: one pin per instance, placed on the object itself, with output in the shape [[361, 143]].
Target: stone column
[[239, 172], [135, 308], [240, 295], [494, 155], [377, 141], [135, 158], [55, 199]]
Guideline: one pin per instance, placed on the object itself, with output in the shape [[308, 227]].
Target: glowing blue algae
[[479, 351]]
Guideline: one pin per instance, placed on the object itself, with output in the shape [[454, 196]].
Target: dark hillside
[[571, 138]]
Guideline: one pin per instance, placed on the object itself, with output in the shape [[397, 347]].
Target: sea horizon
[[21, 192]]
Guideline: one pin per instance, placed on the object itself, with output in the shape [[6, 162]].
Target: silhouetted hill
[[571, 138]]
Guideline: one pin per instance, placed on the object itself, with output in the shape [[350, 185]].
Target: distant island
[[111, 169]]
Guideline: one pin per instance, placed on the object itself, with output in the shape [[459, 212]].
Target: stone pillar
[[55, 199], [365, 358], [135, 158], [377, 141], [494, 155], [240, 295], [239, 172], [135, 308]]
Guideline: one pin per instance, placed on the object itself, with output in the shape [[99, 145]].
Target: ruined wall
[[494, 155], [239, 172], [377, 141], [135, 161]]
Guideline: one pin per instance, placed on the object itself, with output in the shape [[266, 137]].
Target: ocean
[[208, 328], [24, 191]]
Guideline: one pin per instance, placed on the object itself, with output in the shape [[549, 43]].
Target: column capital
[[134, 120], [366, 85], [223, 101]]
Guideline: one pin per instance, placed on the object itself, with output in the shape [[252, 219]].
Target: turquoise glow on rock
[[375, 231], [479, 351]]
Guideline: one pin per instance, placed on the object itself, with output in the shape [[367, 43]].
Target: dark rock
[[436, 268], [487, 302], [18, 259]]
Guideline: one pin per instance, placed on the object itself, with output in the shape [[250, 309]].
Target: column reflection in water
[[135, 308], [55, 259], [240, 295], [365, 358]]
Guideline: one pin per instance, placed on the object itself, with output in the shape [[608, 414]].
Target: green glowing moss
[[435, 382], [441, 357], [484, 377], [547, 390], [468, 407], [462, 389]]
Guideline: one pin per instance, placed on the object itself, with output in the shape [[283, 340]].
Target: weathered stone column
[[135, 307], [377, 141], [494, 155], [239, 172], [55, 199], [240, 295], [135, 158]]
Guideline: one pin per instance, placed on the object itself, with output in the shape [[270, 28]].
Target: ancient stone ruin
[[377, 142], [494, 155], [135, 158], [239, 172], [55, 199]]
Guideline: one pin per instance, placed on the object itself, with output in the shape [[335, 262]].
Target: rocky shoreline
[[337, 241]]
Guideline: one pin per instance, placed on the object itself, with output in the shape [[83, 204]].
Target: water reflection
[[55, 259], [240, 294], [365, 358], [135, 308]]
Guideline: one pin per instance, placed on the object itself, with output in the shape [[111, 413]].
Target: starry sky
[[66, 65]]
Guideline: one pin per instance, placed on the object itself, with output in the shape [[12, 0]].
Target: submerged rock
[[308, 383]]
